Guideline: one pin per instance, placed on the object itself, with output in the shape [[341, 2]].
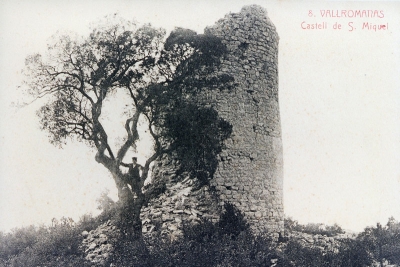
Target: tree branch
[[132, 135]]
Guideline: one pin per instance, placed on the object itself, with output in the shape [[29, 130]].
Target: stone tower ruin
[[250, 168], [250, 171]]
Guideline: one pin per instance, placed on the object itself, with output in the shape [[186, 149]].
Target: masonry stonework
[[250, 169]]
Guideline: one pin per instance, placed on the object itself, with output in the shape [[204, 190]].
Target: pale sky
[[339, 101]]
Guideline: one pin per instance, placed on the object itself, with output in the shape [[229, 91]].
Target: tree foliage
[[197, 142], [383, 241]]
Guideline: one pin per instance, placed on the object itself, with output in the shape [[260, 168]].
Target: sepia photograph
[[199, 133]]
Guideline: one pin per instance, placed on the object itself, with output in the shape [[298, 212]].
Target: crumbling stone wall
[[178, 205], [250, 169], [98, 244]]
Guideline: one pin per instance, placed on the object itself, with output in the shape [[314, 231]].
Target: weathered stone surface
[[191, 207], [250, 169], [252, 161], [98, 243]]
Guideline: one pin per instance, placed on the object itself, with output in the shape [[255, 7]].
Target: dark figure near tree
[[133, 177]]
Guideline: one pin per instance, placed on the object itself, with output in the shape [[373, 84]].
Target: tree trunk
[[130, 221], [130, 205], [135, 206], [130, 200]]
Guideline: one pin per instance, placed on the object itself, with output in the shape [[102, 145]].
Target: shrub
[[228, 242], [225, 243], [18, 240], [130, 252], [383, 242], [353, 253], [312, 228], [214, 250], [295, 254], [232, 221], [57, 245], [350, 253]]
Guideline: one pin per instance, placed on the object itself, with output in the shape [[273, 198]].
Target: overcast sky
[[339, 100]]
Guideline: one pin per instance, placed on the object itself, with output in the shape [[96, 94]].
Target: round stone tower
[[250, 169]]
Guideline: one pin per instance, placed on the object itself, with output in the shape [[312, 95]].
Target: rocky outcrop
[[180, 204], [98, 244]]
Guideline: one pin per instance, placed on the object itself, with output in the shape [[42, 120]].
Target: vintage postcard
[[288, 110]]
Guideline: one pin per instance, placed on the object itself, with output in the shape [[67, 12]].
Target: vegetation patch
[[228, 242]]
